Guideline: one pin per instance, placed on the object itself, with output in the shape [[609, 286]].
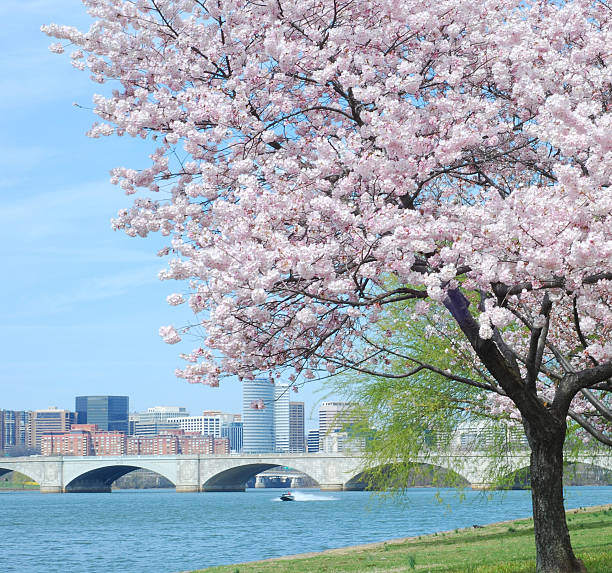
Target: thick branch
[[487, 350], [502, 291], [581, 337], [574, 382], [508, 378], [591, 376], [537, 344]]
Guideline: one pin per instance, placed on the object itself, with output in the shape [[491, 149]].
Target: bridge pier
[[224, 487], [483, 486], [187, 488], [354, 487], [89, 489], [51, 489], [331, 487]]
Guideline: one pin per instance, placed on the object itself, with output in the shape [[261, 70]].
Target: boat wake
[[302, 496]]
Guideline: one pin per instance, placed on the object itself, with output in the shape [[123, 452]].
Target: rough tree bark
[[554, 552], [545, 428]]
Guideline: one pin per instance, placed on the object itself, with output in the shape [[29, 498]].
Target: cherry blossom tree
[[310, 154]]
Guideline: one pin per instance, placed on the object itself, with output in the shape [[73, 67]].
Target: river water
[[160, 531]]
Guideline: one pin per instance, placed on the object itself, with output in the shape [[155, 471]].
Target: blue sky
[[81, 304]]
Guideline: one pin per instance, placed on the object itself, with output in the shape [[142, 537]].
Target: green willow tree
[[405, 416]]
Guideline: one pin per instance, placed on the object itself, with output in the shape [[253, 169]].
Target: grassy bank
[[18, 486], [506, 547]]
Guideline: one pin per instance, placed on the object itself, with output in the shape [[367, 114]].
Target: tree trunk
[[554, 553]]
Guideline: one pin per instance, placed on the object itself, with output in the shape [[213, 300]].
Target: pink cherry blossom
[[315, 162], [175, 299], [169, 334]]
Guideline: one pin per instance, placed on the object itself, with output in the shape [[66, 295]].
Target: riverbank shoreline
[[512, 528], [26, 488]]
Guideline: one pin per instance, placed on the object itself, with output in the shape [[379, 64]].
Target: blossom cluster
[[330, 145]]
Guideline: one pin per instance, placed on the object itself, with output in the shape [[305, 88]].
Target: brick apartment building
[[159, 445], [89, 440], [74, 443], [83, 440]]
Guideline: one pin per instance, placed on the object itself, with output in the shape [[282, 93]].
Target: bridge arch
[[588, 470], [599, 460], [28, 471], [100, 480], [236, 478], [575, 472], [95, 475], [413, 474]]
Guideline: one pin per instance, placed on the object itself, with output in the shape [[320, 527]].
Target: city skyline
[[83, 305], [185, 410], [264, 425]]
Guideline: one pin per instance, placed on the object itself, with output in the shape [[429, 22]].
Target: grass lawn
[[17, 485], [506, 547]]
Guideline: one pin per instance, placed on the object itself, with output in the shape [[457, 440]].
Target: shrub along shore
[[506, 547]]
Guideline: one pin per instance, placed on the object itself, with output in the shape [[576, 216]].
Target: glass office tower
[[281, 417], [110, 413], [257, 424], [297, 443], [233, 431]]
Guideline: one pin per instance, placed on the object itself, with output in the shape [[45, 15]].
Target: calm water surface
[[160, 531]]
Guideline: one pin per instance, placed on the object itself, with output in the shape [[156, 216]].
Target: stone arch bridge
[[194, 473]]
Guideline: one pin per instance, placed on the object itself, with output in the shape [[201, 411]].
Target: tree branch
[[537, 344], [590, 428], [600, 406]]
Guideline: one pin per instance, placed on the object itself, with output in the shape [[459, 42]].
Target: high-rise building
[[258, 416], [156, 419], [233, 431], [281, 417], [2, 430], [296, 428], [334, 418], [313, 441], [15, 428], [52, 420], [109, 413]]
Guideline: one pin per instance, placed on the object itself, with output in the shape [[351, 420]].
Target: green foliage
[[405, 417], [407, 411]]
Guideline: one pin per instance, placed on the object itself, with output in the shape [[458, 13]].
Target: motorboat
[[287, 496]]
